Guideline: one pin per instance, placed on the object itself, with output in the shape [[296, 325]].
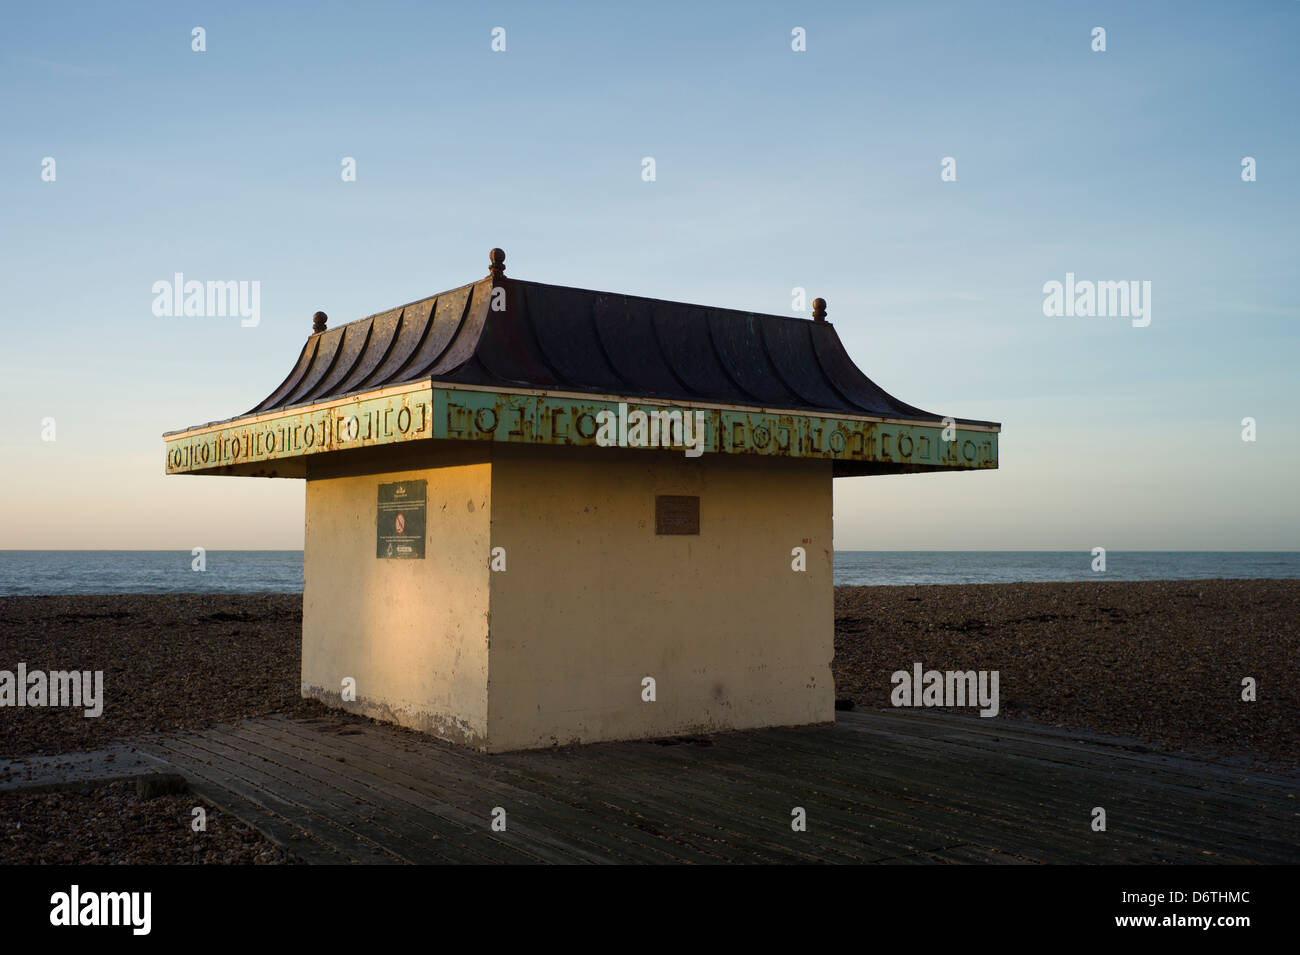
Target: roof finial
[[819, 310], [498, 259], [318, 322]]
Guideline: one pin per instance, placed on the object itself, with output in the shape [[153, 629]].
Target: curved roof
[[555, 338]]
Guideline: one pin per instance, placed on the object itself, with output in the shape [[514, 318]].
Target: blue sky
[[775, 169]]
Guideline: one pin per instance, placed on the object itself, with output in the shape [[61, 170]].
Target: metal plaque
[[677, 514], [399, 525]]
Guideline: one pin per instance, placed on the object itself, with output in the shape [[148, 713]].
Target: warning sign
[[399, 526]]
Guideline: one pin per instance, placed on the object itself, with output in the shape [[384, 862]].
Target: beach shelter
[[539, 515]]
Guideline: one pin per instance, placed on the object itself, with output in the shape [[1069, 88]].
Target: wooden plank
[[1052, 788], [253, 807], [421, 817], [980, 854], [674, 812], [571, 812], [734, 800], [379, 822], [901, 787], [1219, 822], [989, 810], [954, 727], [424, 793], [547, 823], [289, 801]]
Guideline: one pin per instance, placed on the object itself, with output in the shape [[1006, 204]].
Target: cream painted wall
[[413, 633], [553, 650], [592, 600]]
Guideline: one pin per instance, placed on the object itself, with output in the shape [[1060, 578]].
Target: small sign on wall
[[399, 525], [677, 514]]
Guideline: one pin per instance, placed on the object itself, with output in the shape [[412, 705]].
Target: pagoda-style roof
[[503, 337], [555, 338]]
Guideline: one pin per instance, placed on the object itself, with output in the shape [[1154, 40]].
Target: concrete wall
[[413, 633], [553, 650], [593, 600]]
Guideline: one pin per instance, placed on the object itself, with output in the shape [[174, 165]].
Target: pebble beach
[[1160, 663], [1157, 661]]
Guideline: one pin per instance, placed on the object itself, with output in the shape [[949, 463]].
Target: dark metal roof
[[556, 338]]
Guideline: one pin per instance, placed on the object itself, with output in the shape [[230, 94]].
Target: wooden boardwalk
[[880, 786]]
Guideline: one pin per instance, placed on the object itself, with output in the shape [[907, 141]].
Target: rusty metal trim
[[858, 444]]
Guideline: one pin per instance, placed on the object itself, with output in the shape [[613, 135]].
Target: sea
[[280, 571]]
